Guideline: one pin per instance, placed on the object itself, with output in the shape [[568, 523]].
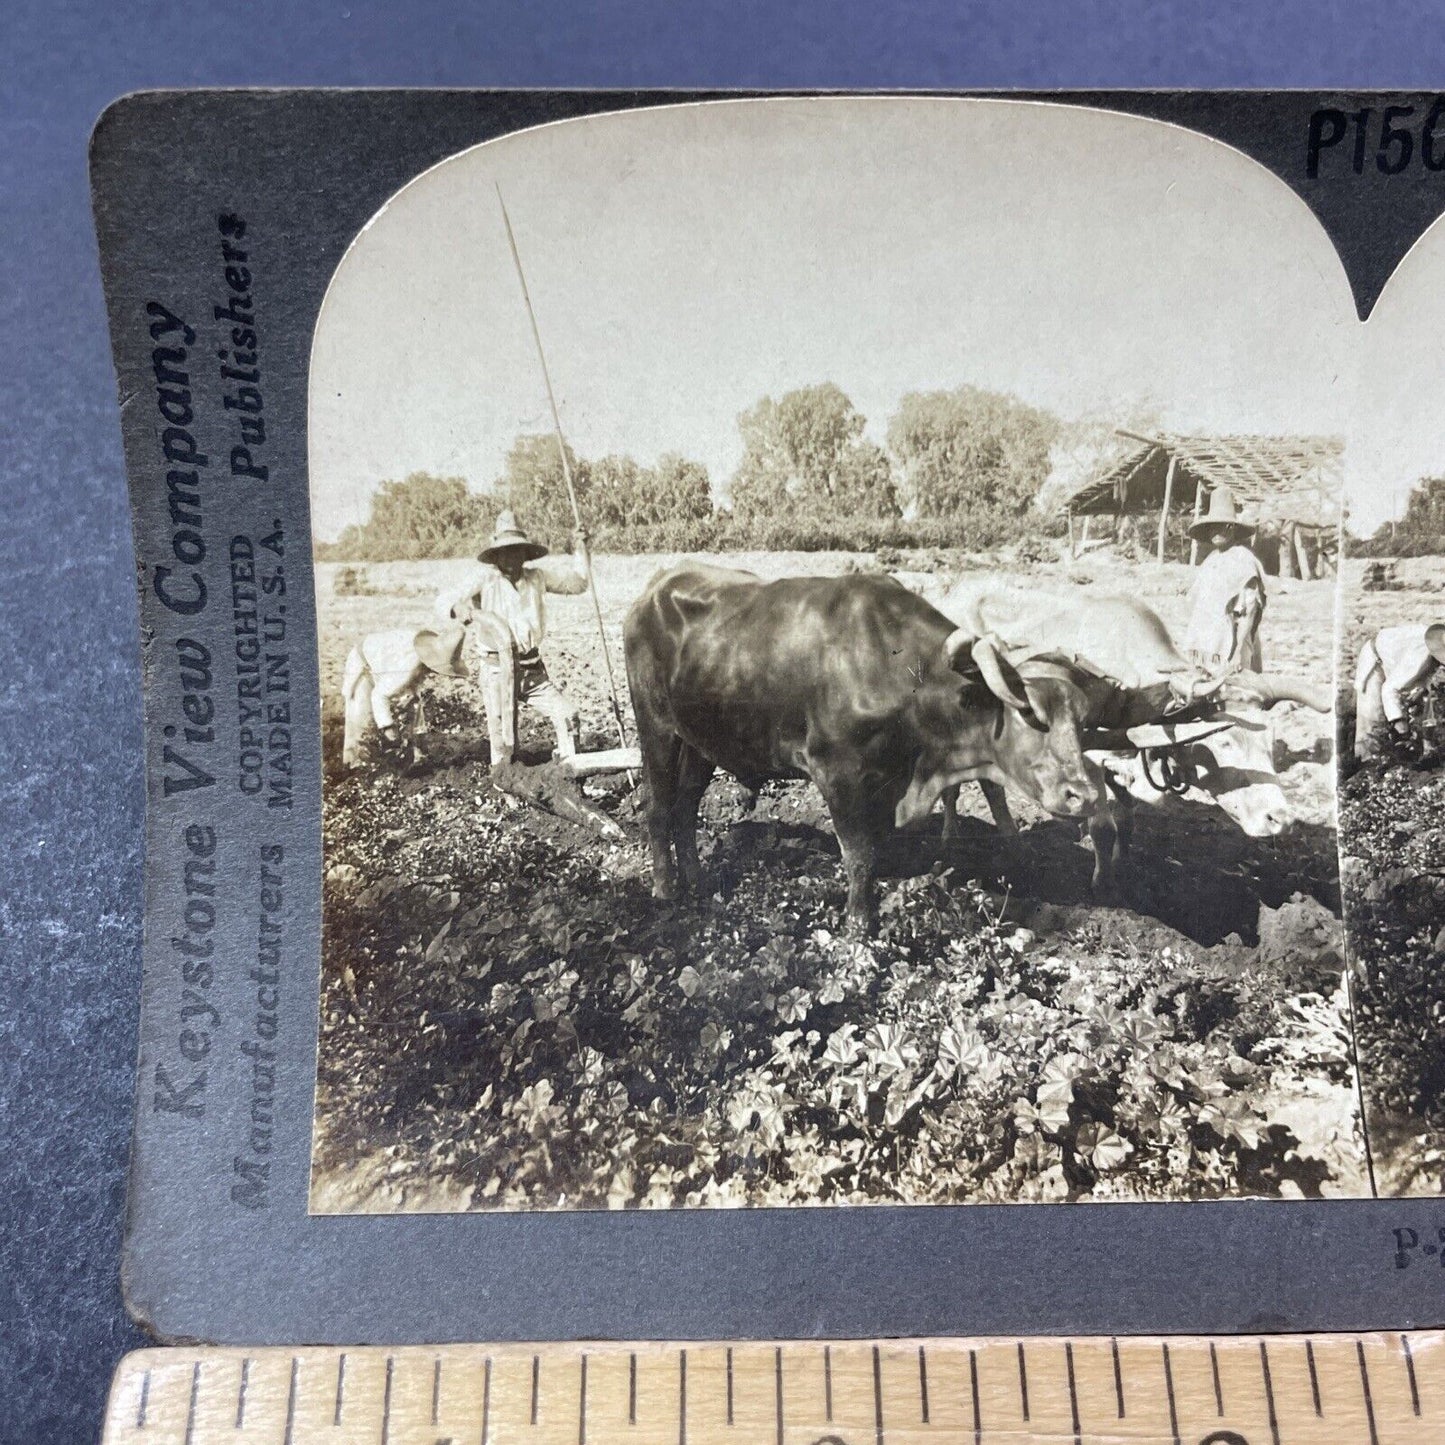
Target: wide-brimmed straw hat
[[507, 536], [442, 651], [1221, 516], [1435, 641]]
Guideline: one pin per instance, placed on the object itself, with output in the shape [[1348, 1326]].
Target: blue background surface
[[70, 786]]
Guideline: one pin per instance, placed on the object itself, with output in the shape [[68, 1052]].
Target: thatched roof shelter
[[1292, 481]]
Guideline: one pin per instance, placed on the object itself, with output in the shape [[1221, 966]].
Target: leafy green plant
[[538, 1032]]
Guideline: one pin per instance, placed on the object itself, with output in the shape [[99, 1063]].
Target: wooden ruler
[[1381, 1389]]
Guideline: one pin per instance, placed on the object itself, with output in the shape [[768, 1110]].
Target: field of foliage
[[1392, 841], [509, 1019]]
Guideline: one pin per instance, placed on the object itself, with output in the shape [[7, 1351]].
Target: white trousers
[[537, 690]]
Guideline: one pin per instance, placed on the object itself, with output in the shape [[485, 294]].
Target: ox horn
[[1271, 688], [990, 664], [1191, 684]]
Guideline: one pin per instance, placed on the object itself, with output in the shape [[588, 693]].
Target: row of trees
[[1419, 533], [961, 467]]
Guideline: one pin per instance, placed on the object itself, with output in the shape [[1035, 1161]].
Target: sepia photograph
[[827, 642], [1392, 727]]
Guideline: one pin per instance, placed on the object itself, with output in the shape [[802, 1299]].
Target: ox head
[[1029, 732], [1228, 761], [1225, 756]]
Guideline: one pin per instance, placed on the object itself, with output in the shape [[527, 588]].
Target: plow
[[552, 785]]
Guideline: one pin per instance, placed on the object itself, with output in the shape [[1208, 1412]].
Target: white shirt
[[1214, 601], [1403, 659], [523, 606]]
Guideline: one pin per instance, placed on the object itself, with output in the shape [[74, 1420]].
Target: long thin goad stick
[[566, 468]]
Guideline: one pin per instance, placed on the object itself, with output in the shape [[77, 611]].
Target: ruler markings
[[977, 1408], [289, 1432], [191, 1408], [582, 1404], [1410, 1373], [486, 1398], [1381, 1409], [386, 1402], [241, 1391], [778, 1390], [1268, 1391], [1314, 1378], [1169, 1389], [877, 1399], [1365, 1387], [1073, 1390]]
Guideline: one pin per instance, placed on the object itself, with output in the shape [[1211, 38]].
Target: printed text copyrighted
[[212, 435]]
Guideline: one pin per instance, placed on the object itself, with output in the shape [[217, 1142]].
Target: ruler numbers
[[1280, 1390]]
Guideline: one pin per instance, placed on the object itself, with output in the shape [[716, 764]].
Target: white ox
[[381, 686], [1220, 748]]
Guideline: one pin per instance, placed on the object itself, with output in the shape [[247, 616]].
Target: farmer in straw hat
[[1228, 597], [1394, 666], [507, 602]]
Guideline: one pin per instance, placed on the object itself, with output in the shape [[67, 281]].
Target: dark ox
[[852, 682]]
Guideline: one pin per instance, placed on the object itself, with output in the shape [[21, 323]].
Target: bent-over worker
[[1227, 600], [510, 593], [381, 685], [1394, 666]]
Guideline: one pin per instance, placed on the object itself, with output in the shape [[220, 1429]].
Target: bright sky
[[685, 262], [1399, 414]]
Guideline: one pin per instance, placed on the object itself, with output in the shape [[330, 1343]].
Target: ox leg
[[859, 822], [950, 813], [694, 773], [1104, 835], [1124, 818], [1111, 831], [660, 759], [997, 801], [860, 864]]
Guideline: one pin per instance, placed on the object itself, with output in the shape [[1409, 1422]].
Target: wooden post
[[1073, 550], [1164, 510], [1302, 552], [1198, 513], [1287, 563], [1084, 540]]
